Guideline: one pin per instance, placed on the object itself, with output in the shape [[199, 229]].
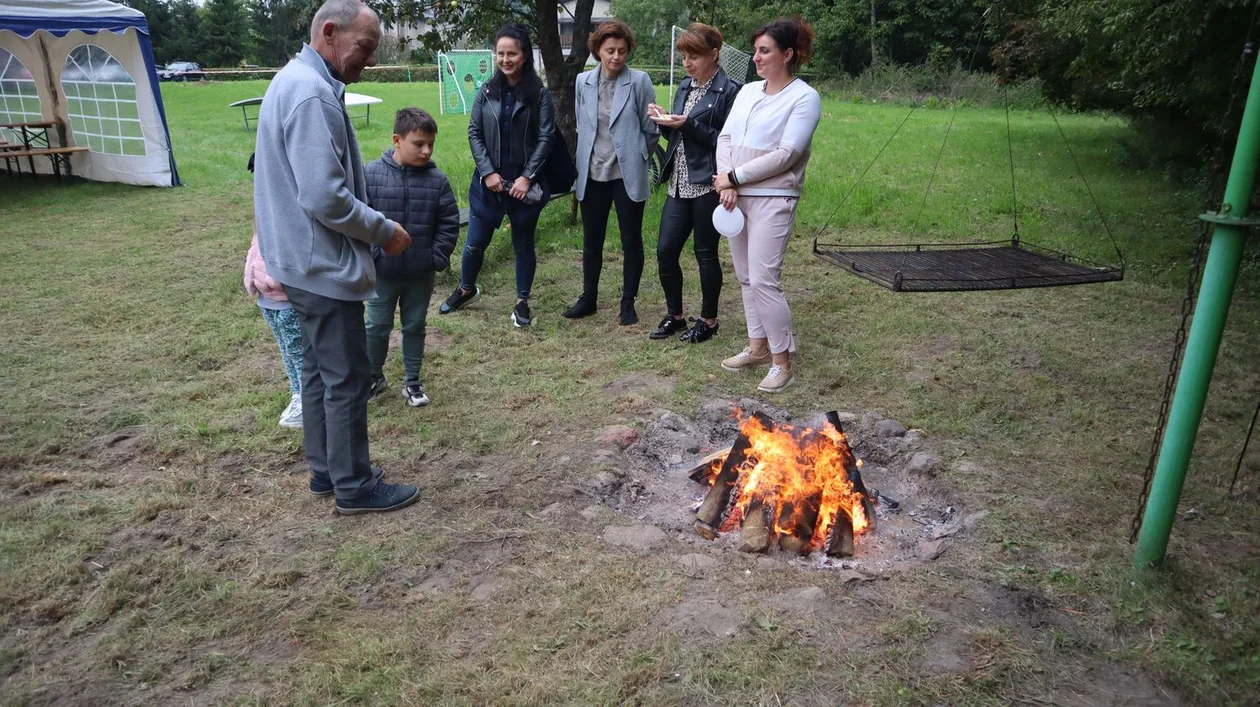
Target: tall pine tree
[[226, 33]]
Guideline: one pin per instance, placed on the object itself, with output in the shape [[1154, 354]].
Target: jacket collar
[[316, 61], [621, 96], [388, 158]]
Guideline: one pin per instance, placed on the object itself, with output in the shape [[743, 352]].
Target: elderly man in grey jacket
[[315, 232]]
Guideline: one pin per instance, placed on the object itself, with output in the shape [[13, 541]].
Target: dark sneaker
[[628, 315], [667, 328], [414, 393], [377, 386], [584, 307], [459, 298], [699, 332], [322, 486], [521, 315], [384, 497]]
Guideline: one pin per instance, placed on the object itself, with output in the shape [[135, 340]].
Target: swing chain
[[1213, 197]]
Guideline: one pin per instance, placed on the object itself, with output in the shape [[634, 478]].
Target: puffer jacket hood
[[421, 199]]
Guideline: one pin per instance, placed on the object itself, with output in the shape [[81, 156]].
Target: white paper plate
[[728, 223]]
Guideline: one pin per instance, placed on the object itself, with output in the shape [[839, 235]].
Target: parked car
[[182, 71]]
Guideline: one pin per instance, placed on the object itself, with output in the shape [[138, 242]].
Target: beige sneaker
[[776, 380], [745, 360]]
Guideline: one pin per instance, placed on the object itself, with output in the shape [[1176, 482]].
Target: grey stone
[[847, 418], [923, 464], [635, 537], [708, 616], [946, 653], [485, 587], [889, 428], [765, 562], [697, 564], [972, 521], [805, 600], [606, 482], [929, 550], [674, 421], [620, 435], [592, 512]]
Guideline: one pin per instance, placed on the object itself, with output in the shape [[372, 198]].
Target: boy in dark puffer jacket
[[409, 189]]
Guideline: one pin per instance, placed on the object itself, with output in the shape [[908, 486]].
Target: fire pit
[[846, 491], [797, 486]]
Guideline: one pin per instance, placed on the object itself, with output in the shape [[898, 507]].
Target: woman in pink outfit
[[762, 152]]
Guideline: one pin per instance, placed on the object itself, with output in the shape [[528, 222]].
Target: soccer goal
[[460, 74], [738, 64]]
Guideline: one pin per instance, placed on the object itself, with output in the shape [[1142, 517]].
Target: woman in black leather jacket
[[510, 132], [700, 108]]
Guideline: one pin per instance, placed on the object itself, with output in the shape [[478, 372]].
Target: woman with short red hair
[[699, 112]]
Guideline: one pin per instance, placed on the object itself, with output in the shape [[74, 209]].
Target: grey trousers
[[335, 379]]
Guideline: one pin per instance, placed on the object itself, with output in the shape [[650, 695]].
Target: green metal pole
[[1215, 292]]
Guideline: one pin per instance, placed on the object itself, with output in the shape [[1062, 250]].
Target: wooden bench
[[59, 156]]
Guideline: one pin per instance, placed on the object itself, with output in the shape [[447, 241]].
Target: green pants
[[411, 297]]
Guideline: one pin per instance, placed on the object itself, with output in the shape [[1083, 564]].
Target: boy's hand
[[519, 188], [400, 241], [494, 182]]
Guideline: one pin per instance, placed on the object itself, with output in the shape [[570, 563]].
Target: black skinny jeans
[[598, 200], [678, 219]]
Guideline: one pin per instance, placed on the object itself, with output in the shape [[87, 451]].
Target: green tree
[[1168, 64], [278, 28], [183, 41], [158, 16], [653, 22], [226, 33], [473, 19]]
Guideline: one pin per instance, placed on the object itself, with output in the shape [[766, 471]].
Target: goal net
[[460, 74], [737, 64]]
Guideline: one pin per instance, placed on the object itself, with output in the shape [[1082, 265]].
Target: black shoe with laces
[[382, 498], [700, 331], [377, 386], [459, 298], [584, 307], [667, 328], [628, 315], [521, 316]]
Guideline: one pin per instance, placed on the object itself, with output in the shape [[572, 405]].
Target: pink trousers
[[757, 253]]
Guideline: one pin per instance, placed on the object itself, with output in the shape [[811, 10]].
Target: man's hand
[[494, 182], [520, 188], [398, 243], [728, 198]]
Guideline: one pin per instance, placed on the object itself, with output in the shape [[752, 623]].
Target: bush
[[935, 87]]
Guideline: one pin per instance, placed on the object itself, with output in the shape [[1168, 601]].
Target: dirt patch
[[640, 384], [1109, 685]]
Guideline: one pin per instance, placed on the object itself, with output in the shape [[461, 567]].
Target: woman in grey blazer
[[615, 139]]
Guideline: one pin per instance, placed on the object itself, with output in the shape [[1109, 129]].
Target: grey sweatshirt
[[315, 229]]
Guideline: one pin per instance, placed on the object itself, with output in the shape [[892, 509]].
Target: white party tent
[[87, 64]]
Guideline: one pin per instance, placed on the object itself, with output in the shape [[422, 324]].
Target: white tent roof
[[54, 9]]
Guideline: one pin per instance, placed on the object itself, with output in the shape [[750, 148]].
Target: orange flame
[[796, 473]]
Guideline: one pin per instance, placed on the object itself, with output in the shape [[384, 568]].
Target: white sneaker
[[292, 415], [415, 395], [776, 380]]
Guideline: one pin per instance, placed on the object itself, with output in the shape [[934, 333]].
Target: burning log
[[719, 497], [855, 475], [755, 532], [798, 524], [840, 544], [701, 472]]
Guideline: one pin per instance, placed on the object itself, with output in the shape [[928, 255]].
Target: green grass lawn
[[157, 545]]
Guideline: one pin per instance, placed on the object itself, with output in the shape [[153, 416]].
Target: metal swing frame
[[954, 267]]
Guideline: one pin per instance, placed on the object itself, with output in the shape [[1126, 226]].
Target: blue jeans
[[481, 228]]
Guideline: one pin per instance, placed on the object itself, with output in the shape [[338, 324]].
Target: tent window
[[19, 98], [101, 101]]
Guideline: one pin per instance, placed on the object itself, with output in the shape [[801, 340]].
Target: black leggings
[[678, 219], [597, 201]]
